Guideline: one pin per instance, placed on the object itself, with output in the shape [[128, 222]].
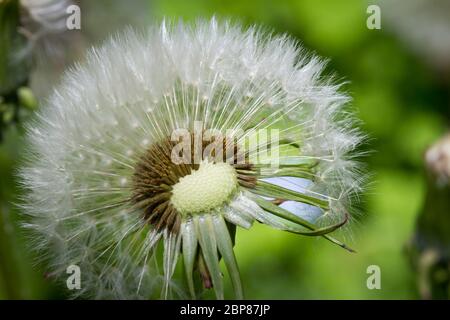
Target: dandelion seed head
[[104, 193]]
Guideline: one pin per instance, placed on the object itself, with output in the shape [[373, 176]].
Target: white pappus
[[103, 193]]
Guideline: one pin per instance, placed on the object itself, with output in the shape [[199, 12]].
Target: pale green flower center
[[204, 189]]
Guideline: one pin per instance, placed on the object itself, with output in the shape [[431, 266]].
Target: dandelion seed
[[111, 219]]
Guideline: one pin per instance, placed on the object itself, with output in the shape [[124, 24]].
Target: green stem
[[12, 72], [8, 260]]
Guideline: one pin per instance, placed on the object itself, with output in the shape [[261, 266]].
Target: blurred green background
[[401, 98]]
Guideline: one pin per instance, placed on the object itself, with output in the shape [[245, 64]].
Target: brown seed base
[[156, 173]]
